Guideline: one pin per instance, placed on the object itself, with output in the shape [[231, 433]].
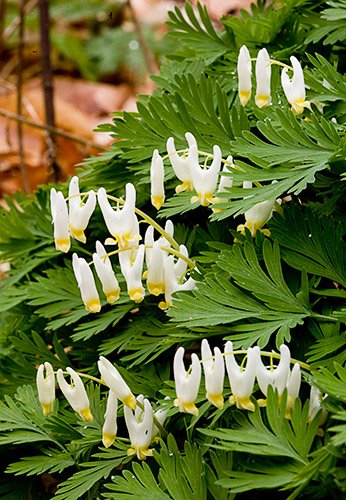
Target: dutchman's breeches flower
[[140, 427], [116, 383], [263, 75], [226, 182], [110, 427], [244, 75], [171, 282], [214, 372], [315, 406], [295, 88], [121, 223], [106, 274], [293, 387], [155, 274], [86, 284], [75, 394], [277, 377], [157, 178], [181, 164], [79, 214], [132, 269], [46, 387], [186, 384], [241, 381], [60, 220], [205, 180]]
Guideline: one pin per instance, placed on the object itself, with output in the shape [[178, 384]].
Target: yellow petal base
[[298, 106], [113, 295], [204, 198], [263, 100], [130, 401], [137, 294], [63, 245], [156, 288], [244, 96], [78, 234], [47, 409], [86, 415], [242, 403], [142, 452], [185, 186], [93, 306], [108, 439], [157, 201], [187, 407], [216, 400]]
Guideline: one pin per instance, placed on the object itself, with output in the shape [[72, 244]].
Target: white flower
[[160, 416], [140, 427], [122, 224], [263, 75], [315, 405], [115, 382], [106, 274], [149, 239], [295, 88], [186, 384], [241, 381], [277, 377], [244, 75], [46, 387], [293, 387], [86, 284], [181, 265], [110, 427], [132, 269], [155, 274], [60, 220], [226, 182], [157, 177], [214, 372], [171, 282], [75, 394], [205, 180], [79, 214], [181, 164]]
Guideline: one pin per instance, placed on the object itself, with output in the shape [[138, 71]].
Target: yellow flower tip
[[163, 305], [145, 274], [86, 415], [135, 237], [298, 106], [47, 409], [176, 402], [194, 199], [137, 294], [131, 451], [155, 288], [63, 245], [262, 101], [111, 241], [216, 400], [130, 401], [244, 96], [143, 452], [112, 296], [93, 306], [108, 439], [78, 234], [190, 408], [156, 439], [241, 229], [185, 186], [157, 201], [262, 402], [245, 404], [266, 232]]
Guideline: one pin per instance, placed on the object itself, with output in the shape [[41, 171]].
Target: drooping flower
[[186, 384], [172, 283], [160, 416], [115, 382], [86, 284], [75, 394], [241, 380], [181, 265], [121, 223], [181, 164], [103, 266], [263, 75], [293, 387], [277, 377], [157, 177], [244, 75], [79, 214], [315, 406], [226, 182], [295, 88], [140, 428], [132, 269], [214, 372], [110, 427], [46, 387], [205, 180], [155, 274], [60, 220]]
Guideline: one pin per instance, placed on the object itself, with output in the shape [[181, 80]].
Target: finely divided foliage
[[243, 255]]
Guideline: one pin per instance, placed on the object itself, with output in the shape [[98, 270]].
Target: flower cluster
[[166, 267], [241, 379], [293, 88], [142, 425]]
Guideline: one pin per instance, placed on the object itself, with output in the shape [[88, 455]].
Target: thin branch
[[11, 28], [52, 130], [26, 184], [2, 20]]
